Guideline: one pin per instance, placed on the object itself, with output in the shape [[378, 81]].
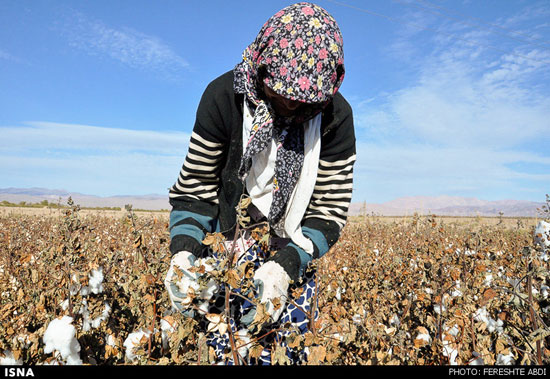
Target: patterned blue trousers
[[294, 320]]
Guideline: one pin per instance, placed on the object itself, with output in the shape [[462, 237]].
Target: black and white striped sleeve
[[326, 214], [194, 196], [198, 177]]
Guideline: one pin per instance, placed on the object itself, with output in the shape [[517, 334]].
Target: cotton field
[[419, 290]]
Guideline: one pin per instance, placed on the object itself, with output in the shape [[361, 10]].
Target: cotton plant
[[89, 323], [482, 315], [477, 360], [60, 335], [505, 359], [95, 283], [450, 348], [542, 239], [422, 337], [133, 342]]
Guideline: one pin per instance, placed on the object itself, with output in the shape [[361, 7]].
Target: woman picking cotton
[[274, 130]]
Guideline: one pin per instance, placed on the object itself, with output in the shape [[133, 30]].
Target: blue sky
[[449, 97]]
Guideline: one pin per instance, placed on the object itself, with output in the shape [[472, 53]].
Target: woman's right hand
[[181, 283]]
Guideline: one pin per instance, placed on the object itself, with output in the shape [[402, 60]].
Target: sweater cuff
[[182, 242], [322, 233]]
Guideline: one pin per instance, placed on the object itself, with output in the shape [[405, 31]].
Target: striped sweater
[[207, 190]]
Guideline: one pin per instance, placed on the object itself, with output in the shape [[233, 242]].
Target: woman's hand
[[271, 281], [181, 283]]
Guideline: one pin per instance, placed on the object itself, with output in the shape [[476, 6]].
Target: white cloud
[[386, 171], [81, 139], [459, 100], [4, 55], [91, 159], [125, 45], [531, 13], [463, 125]]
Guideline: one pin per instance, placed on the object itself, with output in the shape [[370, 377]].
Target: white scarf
[[259, 182]]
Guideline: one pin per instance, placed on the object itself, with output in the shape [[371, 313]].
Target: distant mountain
[[439, 205], [33, 191], [37, 195], [448, 206]]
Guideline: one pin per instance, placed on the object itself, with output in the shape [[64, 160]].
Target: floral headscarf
[[299, 55]]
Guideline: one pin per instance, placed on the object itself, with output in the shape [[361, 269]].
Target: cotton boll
[[439, 309], [166, 329], [542, 235], [104, 315], [243, 342], [478, 361], [65, 304], [87, 321], [132, 342], [74, 360], [23, 340], [95, 281], [111, 340], [74, 286], [60, 337], [481, 315], [9, 360], [505, 359], [456, 291], [86, 325], [495, 325], [450, 348], [394, 321], [85, 291], [450, 352], [542, 239], [423, 335]]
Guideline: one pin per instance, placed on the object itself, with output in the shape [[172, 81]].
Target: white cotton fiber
[[96, 281], [167, 329], [482, 315], [478, 360], [542, 238], [60, 337], [132, 342], [9, 360], [505, 359], [243, 343]]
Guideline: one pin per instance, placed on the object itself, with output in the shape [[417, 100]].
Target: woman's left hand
[[272, 283]]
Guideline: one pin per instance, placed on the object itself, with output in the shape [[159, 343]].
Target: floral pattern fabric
[[295, 320], [299, 55]]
